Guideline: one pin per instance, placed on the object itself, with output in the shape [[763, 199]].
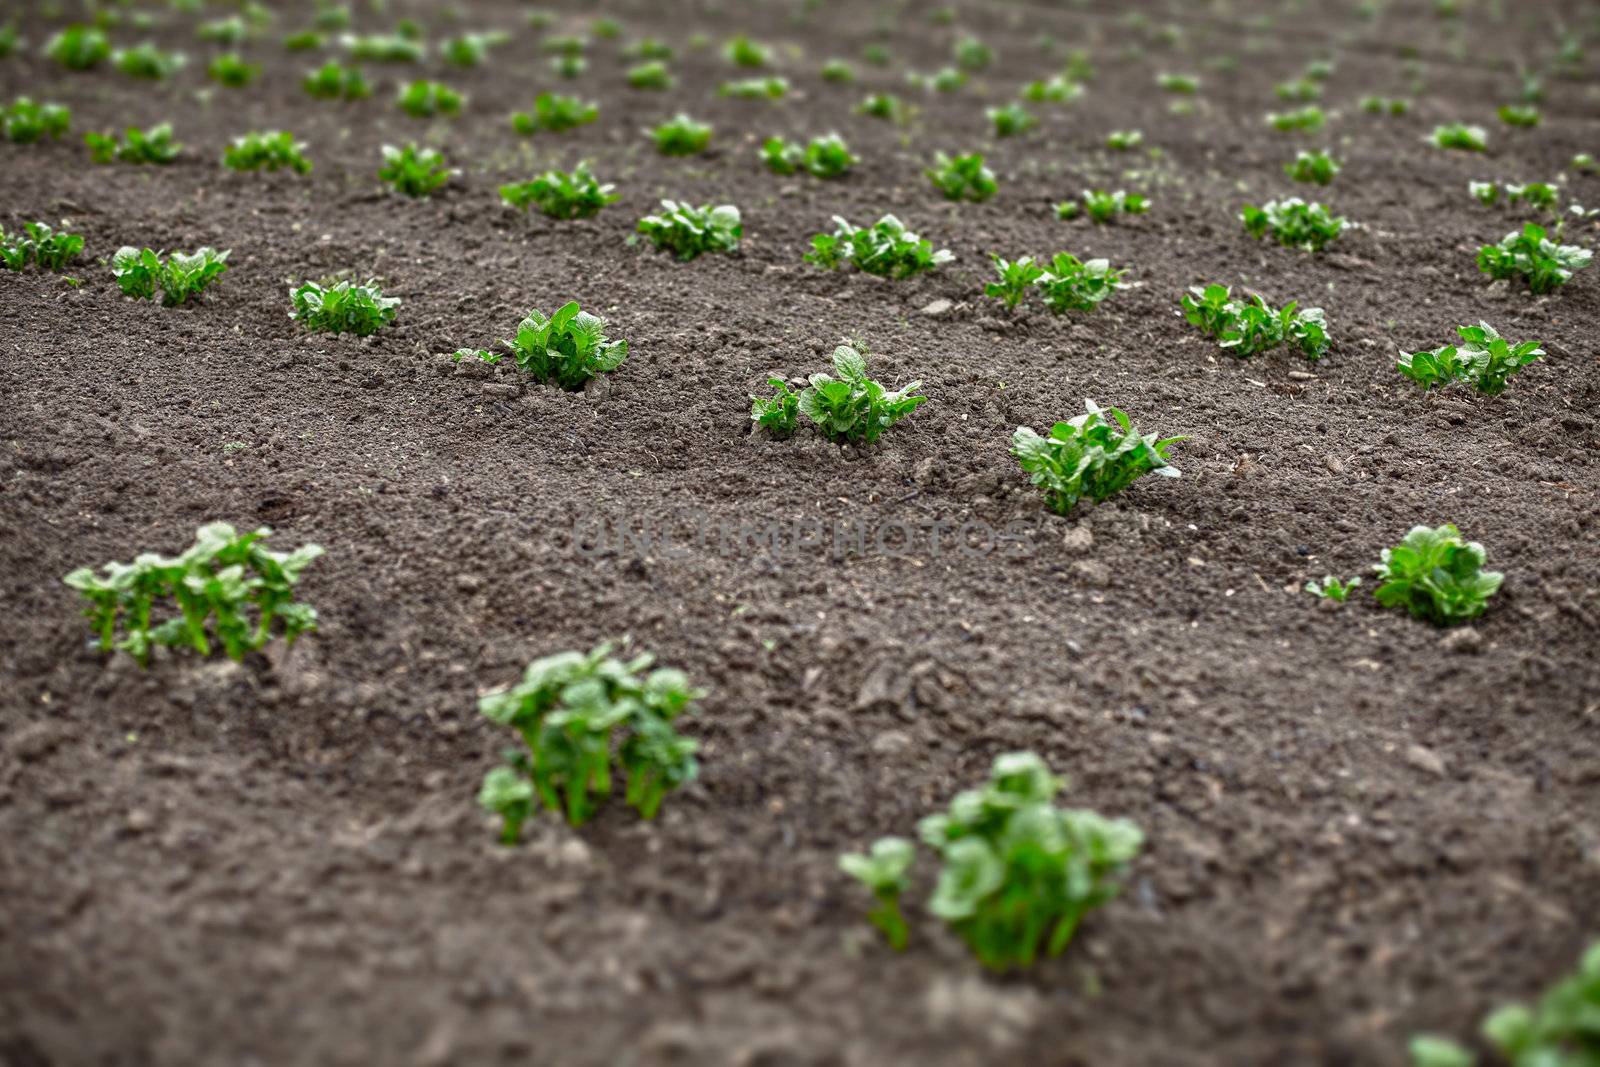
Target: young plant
[[883, 872], [342, 307], [1124, 140], [1248, 328], [1461, 137], [414, 171], [582, 717], [24, 121], [824, 157], [1104, 207], [425, 99], [1057, 89], [469, 49], [226, 589], [884, 106], [688, 231], [681, 136], [1090, 456], [140, 272], [972, 54], [1385, 105], [79, 47], [554, 113], [567, 348], [885, 248], [1309, 118], [231, 71], [1017, 874], [1436, 576], [147, 61], [1331, 588], [1519, 115], [1015, 280], [334, 82], [269, 150], [383, 48], [1559, 1030], [770, 88], [1182, 84], [1484, 360], [1318, 167], [1293, 223], [1071, 284], [652, 74], [962, 177], [741, 51], [154, 145], [852, 407], [1540, 195], [1010, 120], [778, 413], [40, 244], [648, 48], [1531, 256], [560, 195]]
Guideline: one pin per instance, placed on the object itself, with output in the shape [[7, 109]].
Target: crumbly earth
[[1358, 826]]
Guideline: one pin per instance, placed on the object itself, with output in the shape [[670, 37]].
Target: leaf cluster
[[962, 177], [768, 88], [1484, 360], [1248, 327], [227, 588], [414, 171], [681, 136], [140, 272], [886, 248], [778, 413], [1533, 257], [823, 157], [561, 195], [1090, 455], [1436, 576], [331, 81], [581, 717], [270, 150], [1104, 207], [154, 145], [554, 113], [424, 99], [567, 348], [79, 47], [1293, 223], [1316, 167], [1010, 120], [1460, 136], [230, 70], [147, 61], [24, 121], [39, 244], [852, 407], [688, 231], [342, 307], [1309, 119]]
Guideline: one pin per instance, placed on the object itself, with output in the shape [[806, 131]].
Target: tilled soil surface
[[1358, 826]]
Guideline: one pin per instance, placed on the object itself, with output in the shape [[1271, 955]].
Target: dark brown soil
[[1358, 826]]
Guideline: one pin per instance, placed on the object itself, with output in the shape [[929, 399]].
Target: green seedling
[[154, 145], [652, 74], [779, 413], [681, 136], [1016, 278], [823, 157], [1090, 456], [561, 195], [1316, 167], [148, 61], [884, 106], [1483, 360], [853, 408], [140, 272], [1519, 115], [383, 48], [1182, 84], [1071, 284], [1056, 89], [414, 171], [79, 47], [567, 348], [1124, 140], [425, 99], [581, 717], [39, 244], [1385, 105], [1558, 1030], [231, 71], [883, 871], [470, 49], [228, 589], [972, 54], [334, 82], [1331, 588], [1293, 223], [1298, 91], [1534, 258], [24, 121], [885, 248], [1460, 137], [688, 231], [1246, 328], [837, 71], [741, 51], [268, 150], [947, 80], [770, 88], [1009, 120], [342, 307], [231, 31], [1307, 119], [554, 113], [1436, 576], [646, 48], [1017, 874], [1103, 207], [962, 177]]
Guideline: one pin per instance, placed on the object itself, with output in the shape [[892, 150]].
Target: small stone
[[1301, 376], [1334, 464], [1092, 571], [1078, 539], [504, 390], [1464, 641], [469, 583], [922, 474], [138, 821], [891, 742], [936, 308], [1426, 759]]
